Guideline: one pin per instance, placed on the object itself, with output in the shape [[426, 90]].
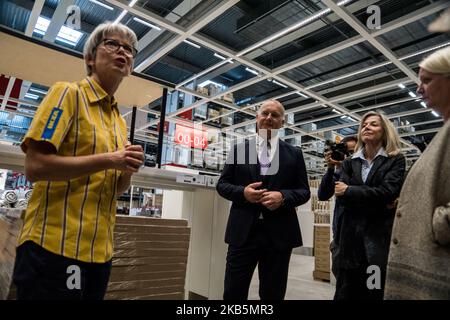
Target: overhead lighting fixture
[[41, 25], [301, 94], [349, 118], [434, 113], [102, 4], [69, 35], [210, 82], [192, 44], [38, 91], [402, 86], [296, 26], [121, 15], [278, 83], [412, 94], [423, 104], [145, 23], [124, 12], [252, 71], [31, 96], [336, 111], [219, 56], [425, 51], [65, 34]]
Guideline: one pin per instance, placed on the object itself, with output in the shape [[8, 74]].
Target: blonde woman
[[419, 257], [371, 180]]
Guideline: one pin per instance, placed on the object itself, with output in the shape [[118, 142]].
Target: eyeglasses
[[114, 46]]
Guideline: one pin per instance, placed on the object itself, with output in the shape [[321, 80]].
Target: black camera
[[339, 151]]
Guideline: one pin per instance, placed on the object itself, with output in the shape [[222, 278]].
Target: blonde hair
[[101, 32], [390, 138], [438, 62]]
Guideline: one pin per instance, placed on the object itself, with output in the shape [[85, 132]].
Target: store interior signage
[[191, 137]]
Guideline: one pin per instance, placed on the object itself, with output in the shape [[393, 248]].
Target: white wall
[[172, 204], [306, 220]]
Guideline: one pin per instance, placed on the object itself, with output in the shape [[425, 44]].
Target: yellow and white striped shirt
[[76, 218]]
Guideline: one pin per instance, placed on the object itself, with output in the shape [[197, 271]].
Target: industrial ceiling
[[327, 61]]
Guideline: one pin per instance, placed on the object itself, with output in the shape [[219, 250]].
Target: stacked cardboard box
[[228, 97], [203, 90], [322, 252], [10, 225], [150, 258]]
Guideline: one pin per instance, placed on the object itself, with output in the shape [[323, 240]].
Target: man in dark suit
[[266, 179]]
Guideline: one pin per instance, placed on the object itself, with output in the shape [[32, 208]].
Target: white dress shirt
[[366, 166]]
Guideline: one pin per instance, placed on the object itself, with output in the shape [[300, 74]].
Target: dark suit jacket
[[364, 231], [291, 180]]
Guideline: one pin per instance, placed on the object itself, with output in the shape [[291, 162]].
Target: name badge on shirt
[[52, 122]]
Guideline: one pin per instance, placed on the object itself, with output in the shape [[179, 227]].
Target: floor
[[301, 285]]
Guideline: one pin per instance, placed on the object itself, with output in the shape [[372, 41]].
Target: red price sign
[[190, 137]]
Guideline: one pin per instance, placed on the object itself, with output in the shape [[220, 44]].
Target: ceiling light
[[336, 111], [41, 25], [425, 51], [278, 83], [434, 113], [69, 35], [192, 44], [219, 56], [38, 91], [252, 71], [132, 3], [423, 104], [412, 94], [301, 94], [31, 96], [402, 86], [102, 4], [147, 24], [348, 75], [121, 15], [296, 26]]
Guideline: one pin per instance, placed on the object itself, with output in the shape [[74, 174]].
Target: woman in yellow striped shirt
[[79, 158]]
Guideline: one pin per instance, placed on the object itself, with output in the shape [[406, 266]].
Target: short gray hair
[[100, 33], [438, 62]]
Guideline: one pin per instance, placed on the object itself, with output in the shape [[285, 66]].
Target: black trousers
[[42, 275], [351, 284], [273, 266]]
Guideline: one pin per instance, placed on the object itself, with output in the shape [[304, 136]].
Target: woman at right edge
[[419, 257]]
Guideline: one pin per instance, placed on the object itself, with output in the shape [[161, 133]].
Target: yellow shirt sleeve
[[54, 116]]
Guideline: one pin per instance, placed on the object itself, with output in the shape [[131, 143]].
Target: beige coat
[[418, 265]]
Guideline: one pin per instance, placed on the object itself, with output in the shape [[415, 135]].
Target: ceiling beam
[[350, 19], [58, 19], [35, 12], [199, 24]]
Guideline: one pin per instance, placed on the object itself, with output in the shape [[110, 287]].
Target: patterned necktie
[[264, 158]]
